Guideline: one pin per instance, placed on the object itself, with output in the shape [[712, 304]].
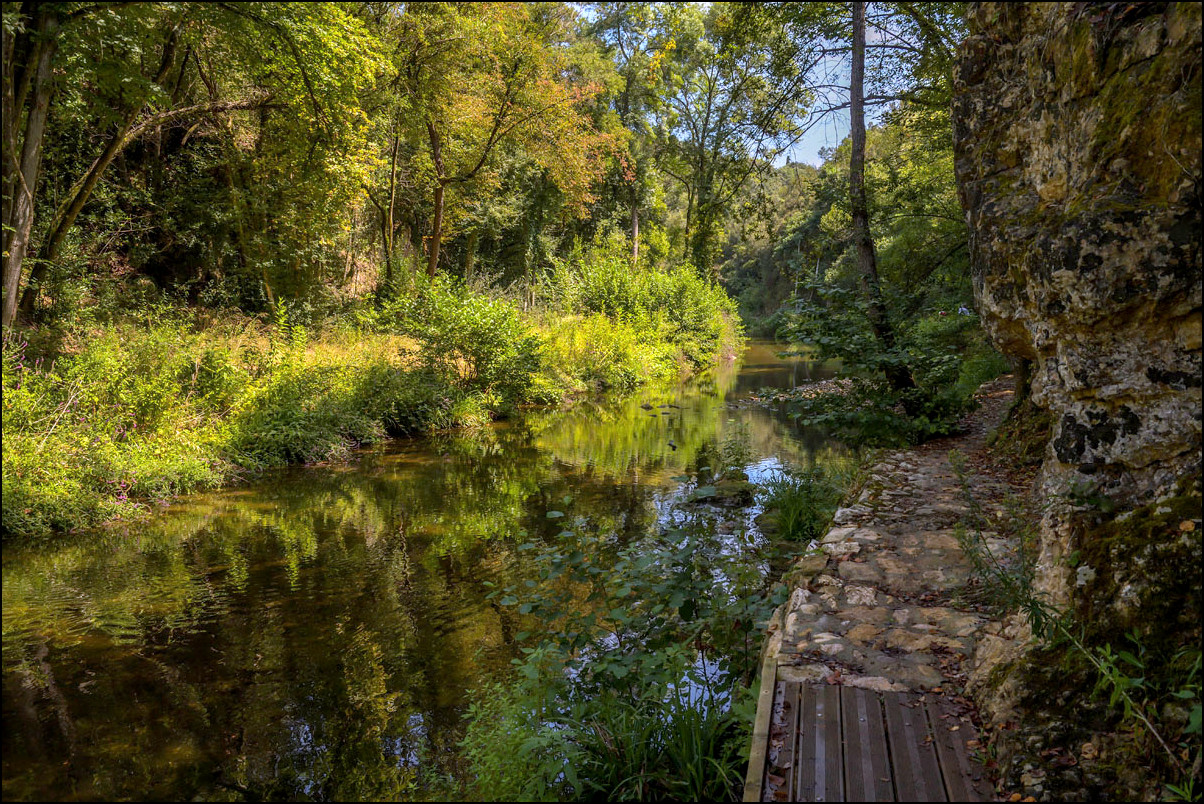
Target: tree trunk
[[432, 264], [416, 228], [470, 254], [635, 228], [390, 223], [25, 180], [898, 376]]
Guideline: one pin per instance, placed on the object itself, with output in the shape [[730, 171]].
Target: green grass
[[102, 420], [803, 501]]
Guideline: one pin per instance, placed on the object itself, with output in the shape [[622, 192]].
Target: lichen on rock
[[1078, 139]]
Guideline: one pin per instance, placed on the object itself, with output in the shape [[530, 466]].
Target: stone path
[[878, 607]]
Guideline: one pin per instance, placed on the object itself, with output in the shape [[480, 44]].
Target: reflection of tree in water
[[313, 635]]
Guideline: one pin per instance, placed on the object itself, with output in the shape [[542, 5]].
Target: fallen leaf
[[1015, 797], [954, 728], [1187, 526]]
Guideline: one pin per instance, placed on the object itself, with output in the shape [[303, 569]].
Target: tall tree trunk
[[390, 223], [24, 182], [432, 264], [898, 376], [635, 227], [416, 228]]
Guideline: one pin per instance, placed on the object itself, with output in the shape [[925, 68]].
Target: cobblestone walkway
[[879, 608]]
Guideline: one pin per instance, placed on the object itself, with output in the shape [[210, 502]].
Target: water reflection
[[312, 635]]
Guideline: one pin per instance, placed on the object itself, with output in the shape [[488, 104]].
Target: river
[[249, 640]]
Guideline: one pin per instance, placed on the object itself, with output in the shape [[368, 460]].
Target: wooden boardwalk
[[834, 743]]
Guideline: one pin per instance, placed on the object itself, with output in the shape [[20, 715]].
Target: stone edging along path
[[879, 608]]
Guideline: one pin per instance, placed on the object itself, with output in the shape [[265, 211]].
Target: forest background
[[240, 235]]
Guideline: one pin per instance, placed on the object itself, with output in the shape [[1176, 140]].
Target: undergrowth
[[637, 690], [107, 415], [1145, 688]]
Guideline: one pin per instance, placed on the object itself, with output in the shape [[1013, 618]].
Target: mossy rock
[[1023, 435], [1144, 570], [769, 522], [727, 492], [806, 568]]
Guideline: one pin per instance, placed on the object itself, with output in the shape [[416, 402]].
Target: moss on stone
[[1144, 570], [1022, 436]]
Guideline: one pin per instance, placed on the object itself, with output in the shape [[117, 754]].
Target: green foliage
[[596, 351], [946, 354], [803, 502], [515, 750], [473, 342], [635, 691], [677, 306], [126, 415]]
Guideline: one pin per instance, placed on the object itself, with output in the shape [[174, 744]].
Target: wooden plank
[[965, 776], [806, 753], [755, 776], [828, 716], [785, 765], [867, 768], [820, 756], [917, 772]]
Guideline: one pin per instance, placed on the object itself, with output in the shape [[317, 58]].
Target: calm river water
[[255, 640]]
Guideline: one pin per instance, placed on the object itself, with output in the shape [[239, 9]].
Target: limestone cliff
[[1078, 144], [1077, 130]]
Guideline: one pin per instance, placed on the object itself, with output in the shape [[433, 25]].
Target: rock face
[[1078, 137]]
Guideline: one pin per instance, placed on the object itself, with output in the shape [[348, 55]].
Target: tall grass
[[803, 502], [102, 419]]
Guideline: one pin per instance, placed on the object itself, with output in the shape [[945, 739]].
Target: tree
[[738, 96], [481, 77], [130, 73], [897, 373], [30, 39]]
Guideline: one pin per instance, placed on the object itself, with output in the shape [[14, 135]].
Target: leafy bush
[[594, 350], [107, 423], [946, 355], [474, 342], [677, 306]]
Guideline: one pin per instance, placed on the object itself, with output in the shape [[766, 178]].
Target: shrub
[[467, 339], [947, 356], [594, 350]]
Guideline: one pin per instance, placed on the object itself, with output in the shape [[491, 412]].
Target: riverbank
[[104, 421]]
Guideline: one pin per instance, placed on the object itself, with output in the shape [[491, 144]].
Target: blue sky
[[826, 133]]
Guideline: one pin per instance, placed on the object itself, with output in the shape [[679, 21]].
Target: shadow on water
[[312, 635]]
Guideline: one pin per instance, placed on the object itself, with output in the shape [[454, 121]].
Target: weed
[[804, 502]]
